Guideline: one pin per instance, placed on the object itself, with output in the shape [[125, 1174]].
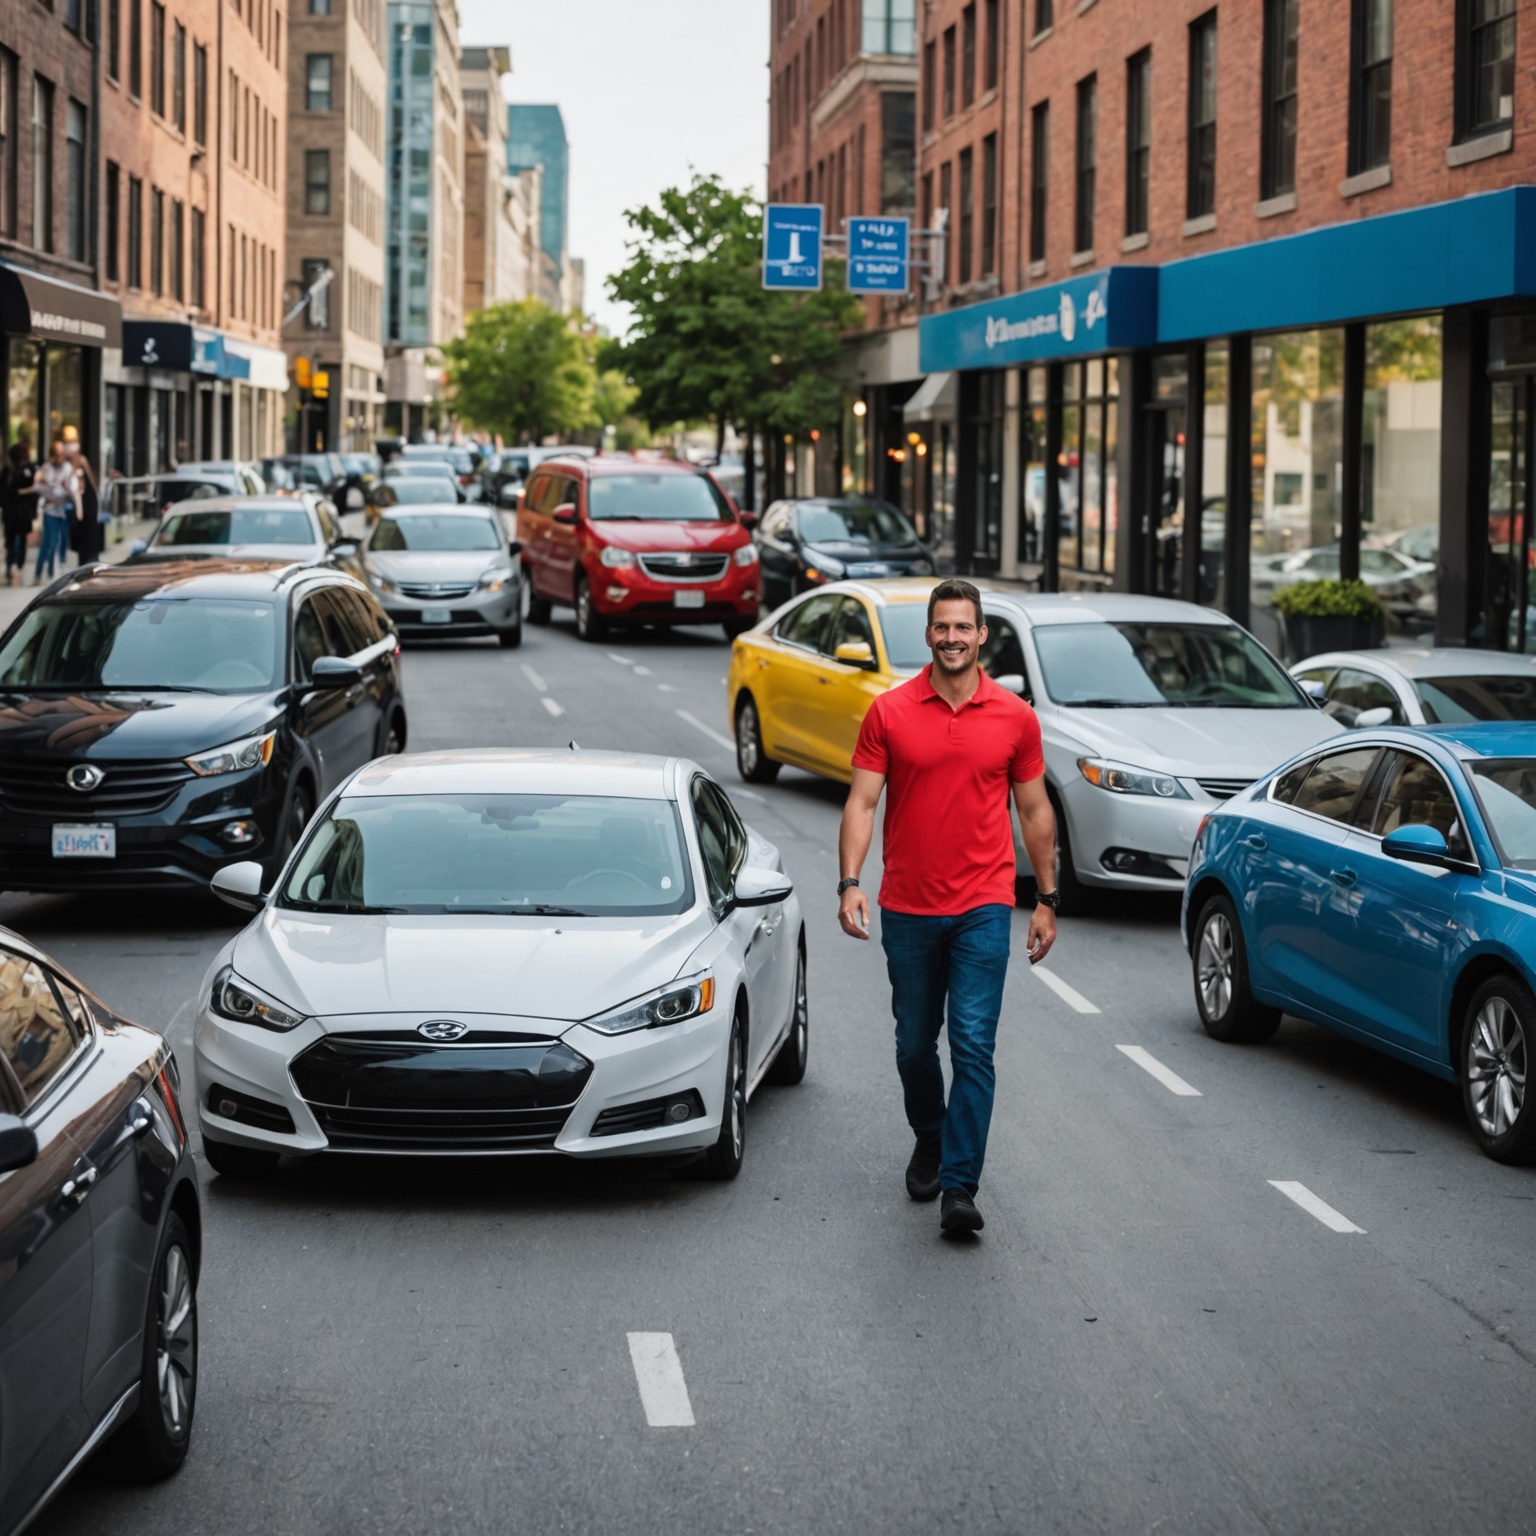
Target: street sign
[[792, 235], [878, 255]]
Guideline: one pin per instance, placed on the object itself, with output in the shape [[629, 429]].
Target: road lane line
[[1069, 995], [659, 1373], [642, 671], [623, 661], [1309, 1202], [551, 706], [1152, 1066], [534, 678], [668, 688], [698, 725]]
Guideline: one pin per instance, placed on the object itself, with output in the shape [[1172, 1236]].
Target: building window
[[199, 93], [946, 198], [114, 38], [8, 146], [1089, 478], [1039, 166], [930, 73], [156, 241], [1201, 196], [197, 258], [74, 16], [317, 182], [1486, 50], [1279, 151], [319, 7], [135, 232], [317, 83], [949, 71], [1087, 160], [890, 26], [968, 55], [42, 164], [76, 221], [1370, 138], [178, 250], [994, 59], [317, 314], [135, 47], [111, 234], [1138, 140], [179, 78], [1044, 16], [157, 57], [898, 151], [967, 212], [989, 205]]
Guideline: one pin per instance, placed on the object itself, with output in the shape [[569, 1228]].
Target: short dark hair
[[953, 590]]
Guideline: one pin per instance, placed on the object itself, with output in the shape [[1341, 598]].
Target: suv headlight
[[746, 555], [671, 1004], [617, 559], [233, 998], [496, 578], [1131, 781], [252, 752]]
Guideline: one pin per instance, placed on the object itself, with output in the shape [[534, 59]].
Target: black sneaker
[[959, 1213], [923, 1170]]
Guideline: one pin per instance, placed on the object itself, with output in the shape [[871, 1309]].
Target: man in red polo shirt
[[950, 744]]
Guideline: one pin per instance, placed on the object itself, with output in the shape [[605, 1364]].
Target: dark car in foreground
[[160, 721], [1384, 885], [803, 544], [100, 1240]]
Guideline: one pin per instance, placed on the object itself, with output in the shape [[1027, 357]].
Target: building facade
[[536, 141], [501, 213]]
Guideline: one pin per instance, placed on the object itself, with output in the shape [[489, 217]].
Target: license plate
[[687, 599], [84, 840], [436, 616]]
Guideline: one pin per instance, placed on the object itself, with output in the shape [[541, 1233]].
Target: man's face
[[954, 636]]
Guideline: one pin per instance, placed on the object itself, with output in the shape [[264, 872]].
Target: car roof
[[613, 464], [270, 501], [520, 771], [1475, 738], [227, 578], [1047, 607], [1429, 661], [478, 509]]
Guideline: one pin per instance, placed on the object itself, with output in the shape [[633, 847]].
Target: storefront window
[[66, 390], [1212, 587], [1508, 621], [988, 486], [1032, 467], [1086, 466], [1169, 415], [24, 406], [856, 447]]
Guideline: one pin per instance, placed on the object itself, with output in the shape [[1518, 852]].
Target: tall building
[[501, 212], [337, 86], [424, 206], [536, 141]]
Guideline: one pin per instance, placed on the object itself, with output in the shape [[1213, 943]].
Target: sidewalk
[[14, 599]]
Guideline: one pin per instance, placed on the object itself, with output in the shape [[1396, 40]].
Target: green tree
[[524, 371]]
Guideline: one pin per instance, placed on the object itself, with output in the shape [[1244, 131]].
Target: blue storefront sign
[[878, 255], [182, 348], [792, 234], [1107, 311]]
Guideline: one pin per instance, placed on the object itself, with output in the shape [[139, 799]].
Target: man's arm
[[853, 840], [1037, 821]]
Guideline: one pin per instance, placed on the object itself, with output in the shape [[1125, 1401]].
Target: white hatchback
[[493, 952]]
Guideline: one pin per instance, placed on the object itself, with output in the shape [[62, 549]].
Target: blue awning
[[181, 347]]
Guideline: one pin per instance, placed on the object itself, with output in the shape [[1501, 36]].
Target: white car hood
[[539, 968], [436, 565], [1189, 743]]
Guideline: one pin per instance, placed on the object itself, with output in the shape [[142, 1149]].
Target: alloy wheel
[[747, 746], [736, 1108], [802, 1025], [1215, 966], [1496, 1067], [176, 1342]]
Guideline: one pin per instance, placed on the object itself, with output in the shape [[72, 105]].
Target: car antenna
[[575, 745]]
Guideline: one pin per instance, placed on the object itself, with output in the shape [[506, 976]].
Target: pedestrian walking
[[88, 527], [18, 508], [57, 488], [949, 746]]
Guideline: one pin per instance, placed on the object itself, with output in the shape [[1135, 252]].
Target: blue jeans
[[15, 552], [956, 964], [54, 544]]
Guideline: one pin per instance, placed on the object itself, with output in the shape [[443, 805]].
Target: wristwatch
[[842, 885], [1051, 899]]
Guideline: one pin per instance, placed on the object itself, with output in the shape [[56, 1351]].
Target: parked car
[[625, 542], [325, 473], [1385, 887], [1151, 710], [277, 475], [160, 721], [460, 461], [249, 473], [1404, 586], [430, 470], [807, 543], [1410, 686], [101, 1232], [577, 952], [411, 491], [150, 496], [288, 528], [446, 571]]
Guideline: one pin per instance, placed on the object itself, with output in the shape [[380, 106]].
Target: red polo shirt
[[948, 775]]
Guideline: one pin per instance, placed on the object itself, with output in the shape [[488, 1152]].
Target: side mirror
[[762, 888], [1418, 844], [514, 547], [1013, 682], [1315, 691], [334, 672], [18, 1143], [1369, 719], [855, 653], [749, 520], [137, 547], [346, 548], [566, 515], [240, 885]]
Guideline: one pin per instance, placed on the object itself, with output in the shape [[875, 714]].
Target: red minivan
[[629, 541]]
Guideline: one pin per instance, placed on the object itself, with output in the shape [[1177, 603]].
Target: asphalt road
[[1148, 1335]]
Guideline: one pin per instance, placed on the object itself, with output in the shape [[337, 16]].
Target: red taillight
[[1200, 830]]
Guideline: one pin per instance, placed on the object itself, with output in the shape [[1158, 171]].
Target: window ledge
[[1480, 148], [1272, 207], [1085, 5], [1366, 181], [1135, 242], [1082, 258], [1035, 269], [1040, 37], [1201, 226]]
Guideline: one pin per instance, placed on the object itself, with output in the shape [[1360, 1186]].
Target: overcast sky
[[648, 89]]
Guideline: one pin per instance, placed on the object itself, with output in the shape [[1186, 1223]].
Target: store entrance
[[1509, 624]]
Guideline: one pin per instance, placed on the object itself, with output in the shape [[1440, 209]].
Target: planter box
[[1308, 635]]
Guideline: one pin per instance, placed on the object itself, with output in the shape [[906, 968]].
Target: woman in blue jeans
[[59, 491]]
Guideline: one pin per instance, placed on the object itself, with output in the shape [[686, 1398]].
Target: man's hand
[[1042, 933], [853, 913], [853, 840]]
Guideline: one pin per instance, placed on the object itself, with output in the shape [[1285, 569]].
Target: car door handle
[[77, 1186], [1344, 877], [1257, 843]]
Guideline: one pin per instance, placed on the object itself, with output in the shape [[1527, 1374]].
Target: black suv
[[160, 721]]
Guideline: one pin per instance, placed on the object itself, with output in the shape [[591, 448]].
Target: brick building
[[501, 210]]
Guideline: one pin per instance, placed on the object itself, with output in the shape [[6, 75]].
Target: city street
[[1220, 1289]]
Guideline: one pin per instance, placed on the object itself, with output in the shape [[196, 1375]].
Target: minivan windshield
[[185, 643], [854, 522], [248, 525], [435, 531], [656, 499], [533, 855]]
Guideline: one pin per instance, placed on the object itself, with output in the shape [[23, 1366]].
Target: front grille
[[1223, 789], [440, 1130], [685, 567], [622, 1119], [36, 787], [233, 1105], [425, 591]]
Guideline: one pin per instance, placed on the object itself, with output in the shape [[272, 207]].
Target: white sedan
[[492, 952], [1421, 685]]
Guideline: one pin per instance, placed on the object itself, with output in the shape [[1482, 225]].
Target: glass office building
[[408, 175]]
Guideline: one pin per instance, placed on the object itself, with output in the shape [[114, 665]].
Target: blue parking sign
[[878, 255], [792, 245]]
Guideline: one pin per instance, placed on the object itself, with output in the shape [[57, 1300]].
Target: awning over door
[[34, 305], [935, 399]]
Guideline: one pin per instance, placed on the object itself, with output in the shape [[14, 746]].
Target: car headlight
[[1131, 781], [671, 1004], [746, 555], [496, 578], [825, 570], [252, 752], [234, 998], [617, 559], [379, 583]]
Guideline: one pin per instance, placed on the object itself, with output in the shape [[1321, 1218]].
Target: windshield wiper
[[330, 910], [517, 911], [1118, 704]]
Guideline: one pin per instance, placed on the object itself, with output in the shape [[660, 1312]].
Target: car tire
[[794, 1053], [301, 806], [392, 737], [511, 638], [723, 1160], [153, 1443], [1497, 1041], [590, 624], [1076, 898], [539, 610], [752, 760], [230, 1161], [1219, 958]]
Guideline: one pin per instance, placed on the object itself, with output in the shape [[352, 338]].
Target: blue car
[[1384, 885]]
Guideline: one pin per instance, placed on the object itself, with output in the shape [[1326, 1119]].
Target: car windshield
[[168, 492], [310, 471], [420, 469], [456, 460], [1507, 790], [253, 525], [904, 626], [1146, 666], [222, 646], [656, 499], [425, 491], [435, 531], [854, 522], [562, 855], [1448, 699]]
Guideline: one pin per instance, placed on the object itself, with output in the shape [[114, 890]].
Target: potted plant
[[1329, 616]]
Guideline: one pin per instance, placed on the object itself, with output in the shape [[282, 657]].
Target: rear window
[[256, 525], [642, 498], [444, 531]]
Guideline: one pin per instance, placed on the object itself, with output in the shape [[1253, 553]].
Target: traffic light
[[301, 373], [320, 384]]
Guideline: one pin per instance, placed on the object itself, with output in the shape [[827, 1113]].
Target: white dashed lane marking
[[642, 671], [551, 706], [534, 678], [698, 725], [623, 661], [659, 1374], [668, 688], [1151, 1065], [1309, 1202], [1069, 995]]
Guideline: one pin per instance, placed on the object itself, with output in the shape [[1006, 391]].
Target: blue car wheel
[[1495, 1069], [1228, 1008]]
